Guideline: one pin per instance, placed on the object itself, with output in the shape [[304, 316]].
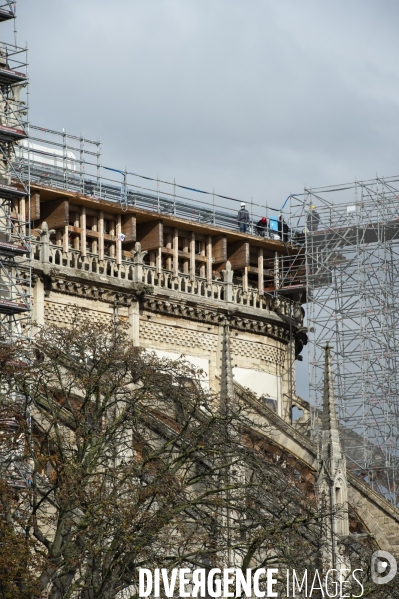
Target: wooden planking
[[55, 213], [100, 225], [83, 233], [184, 255], [185, 226], [150, 235], [34, 206], [238, 254], [260, 271], [176, 253], [129, 227], [219, 250], [118, 240], [192, 256], [209, 260]]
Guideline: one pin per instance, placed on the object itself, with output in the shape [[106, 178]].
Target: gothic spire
[[332, 483], [226, 375], [330, 444]]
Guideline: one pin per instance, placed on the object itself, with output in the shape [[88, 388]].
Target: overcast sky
[[254, 98]]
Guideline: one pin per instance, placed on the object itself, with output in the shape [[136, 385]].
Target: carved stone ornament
[[215, 317]]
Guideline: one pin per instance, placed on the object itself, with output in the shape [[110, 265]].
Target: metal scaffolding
[[60, 160], [15, 268], [348, 238]]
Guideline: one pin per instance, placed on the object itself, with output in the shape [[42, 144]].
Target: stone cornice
[[97, 287], [185, 310], [54, 280]]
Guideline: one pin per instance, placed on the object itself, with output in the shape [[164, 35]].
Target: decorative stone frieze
[[182, 310]]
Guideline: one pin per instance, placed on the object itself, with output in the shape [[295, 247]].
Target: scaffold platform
[[349, 259], [10, 77]]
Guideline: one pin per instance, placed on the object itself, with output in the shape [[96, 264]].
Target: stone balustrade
[[134, 269]]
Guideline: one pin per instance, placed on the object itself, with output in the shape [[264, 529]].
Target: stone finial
[[332, 482], [45, 233], [226, 372], [138, 261], [228, 281], [331, 447], [228, 273], [138, 254]]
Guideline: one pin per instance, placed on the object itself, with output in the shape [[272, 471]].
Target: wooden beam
[[175, 253], [168, 251], [169, 255], [101, 236], [260, 271], [22, 208], [65, 240], [245, 280], [83, 233], [192, 256], [238, 254], [186, 257], [150, 235], [34, 206], [159, 260], [209, 260], [144, 215], [203, 255], [94, 233], [129, 227], [118, 240], [219, 250], [55, 213]]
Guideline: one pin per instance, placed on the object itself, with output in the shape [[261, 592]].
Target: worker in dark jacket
[[243, 218], [261, 226], [312, 219], [283, 229]]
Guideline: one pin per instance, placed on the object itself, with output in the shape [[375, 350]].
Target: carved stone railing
[[183, 283], [89, 263], [134, 269]]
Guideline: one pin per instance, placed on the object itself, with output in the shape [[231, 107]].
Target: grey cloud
[[253, 98]]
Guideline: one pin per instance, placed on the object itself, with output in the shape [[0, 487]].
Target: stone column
[[38, 302], [192, 256], [65, 240], [209, 260], [134, 322], [261, 284], [101, 236], [245, 280], [176, 252]]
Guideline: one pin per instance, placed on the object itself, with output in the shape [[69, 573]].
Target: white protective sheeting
[[200, 363], [261, 383]]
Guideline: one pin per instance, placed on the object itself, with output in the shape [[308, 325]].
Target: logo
[[383, 567]]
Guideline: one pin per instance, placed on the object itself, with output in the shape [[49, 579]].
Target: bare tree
[[127, 462]]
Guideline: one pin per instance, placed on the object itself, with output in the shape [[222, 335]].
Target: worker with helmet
[[260, 227], [243, 218], [312, 219]]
